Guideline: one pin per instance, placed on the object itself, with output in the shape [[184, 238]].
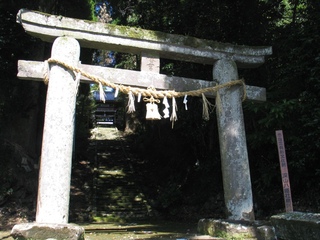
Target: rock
[[266, 232], [297, 225], [258, 230], [217, 227], [42, 231]]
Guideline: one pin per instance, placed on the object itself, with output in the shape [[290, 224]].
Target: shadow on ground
[[140, 230]]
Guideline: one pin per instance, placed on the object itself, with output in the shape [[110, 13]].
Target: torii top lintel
[[136, 40]]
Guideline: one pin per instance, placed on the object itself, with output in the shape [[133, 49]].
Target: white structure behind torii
[[67, 34]]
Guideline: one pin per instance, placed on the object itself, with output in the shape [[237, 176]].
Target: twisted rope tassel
[[206, 107]]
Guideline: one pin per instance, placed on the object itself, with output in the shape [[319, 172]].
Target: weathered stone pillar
[[233, 147], [56, 157], [57, 143]]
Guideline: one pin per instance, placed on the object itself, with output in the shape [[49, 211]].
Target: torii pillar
[[233, 147], [56, 156]]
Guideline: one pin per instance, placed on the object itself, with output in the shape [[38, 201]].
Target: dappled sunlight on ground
[[141, 230], [105, 133], [145, 230]]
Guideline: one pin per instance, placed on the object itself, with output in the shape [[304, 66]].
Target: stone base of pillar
[[256, 230], [42, 231]]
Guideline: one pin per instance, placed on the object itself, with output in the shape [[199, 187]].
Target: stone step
[[135, 215], [114, 209], [116, 191]]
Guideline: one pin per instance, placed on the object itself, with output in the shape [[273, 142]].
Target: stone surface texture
[[150, 62], [233, 146], [135, 40], [57, 143], [266, 232], [297, 226], [42, 231], [236, 230]]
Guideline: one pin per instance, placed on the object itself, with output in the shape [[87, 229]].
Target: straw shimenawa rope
[[150, 92]]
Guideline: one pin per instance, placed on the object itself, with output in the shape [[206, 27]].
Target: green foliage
[[291, 76], [127, 61], [92, 4], [293, 96], [108, 219]]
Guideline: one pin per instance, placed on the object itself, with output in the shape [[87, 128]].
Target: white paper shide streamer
[[131, 107], [152, 111], [174, 116], [116, 93], [185, 101], [166, 107], [102, 94]]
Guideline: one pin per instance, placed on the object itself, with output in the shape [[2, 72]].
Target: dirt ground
[[141, 230]]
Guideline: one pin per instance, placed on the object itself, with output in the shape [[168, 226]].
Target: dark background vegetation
[[181, 166]]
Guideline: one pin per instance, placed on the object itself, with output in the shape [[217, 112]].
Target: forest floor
[[136, 230], [14, 212]]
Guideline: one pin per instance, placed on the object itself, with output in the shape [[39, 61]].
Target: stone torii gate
[[68, 35]]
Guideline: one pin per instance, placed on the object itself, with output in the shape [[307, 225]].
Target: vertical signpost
[[284, 171]]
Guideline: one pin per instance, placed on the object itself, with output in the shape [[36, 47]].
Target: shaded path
[[116, 192]]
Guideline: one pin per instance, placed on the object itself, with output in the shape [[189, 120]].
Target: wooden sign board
[[284, 171]]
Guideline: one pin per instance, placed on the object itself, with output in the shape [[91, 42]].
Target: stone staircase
[[116, 193]]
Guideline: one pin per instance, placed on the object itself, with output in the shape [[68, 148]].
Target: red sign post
[[284, 171]]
